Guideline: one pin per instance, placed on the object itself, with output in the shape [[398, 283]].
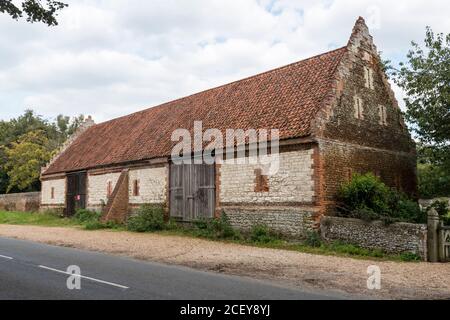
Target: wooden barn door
[[192, 191], [76, 192]]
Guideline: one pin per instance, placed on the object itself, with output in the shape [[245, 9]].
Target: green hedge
[[367, 197], [148, 218]]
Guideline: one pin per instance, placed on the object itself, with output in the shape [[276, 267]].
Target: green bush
[[404, 209], [83, 215], [261, 233], [365, 191], [367, 197], [365, 214], [409, 256], [148, 218], [97, 225], [313, 239], [354, 250], [171, 225], [446, 220], [441, 207], [215, 228], [53, 213], [201, 223], [434, 181]]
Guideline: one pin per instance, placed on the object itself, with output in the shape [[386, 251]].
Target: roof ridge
[[226, 84]]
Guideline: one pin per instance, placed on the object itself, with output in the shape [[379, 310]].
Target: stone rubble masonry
[[59, 187], [98, 189], [394, 238], [152, 185], [293, 222], [25, 202], [292, 183]]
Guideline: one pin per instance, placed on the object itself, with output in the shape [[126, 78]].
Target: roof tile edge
[[71, 139]]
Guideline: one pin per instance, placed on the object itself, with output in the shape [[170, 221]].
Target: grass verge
[[259, 237], [48, 219]]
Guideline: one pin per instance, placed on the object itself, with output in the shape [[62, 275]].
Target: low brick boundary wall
[[29, 201], [394, 238], [291, 222]]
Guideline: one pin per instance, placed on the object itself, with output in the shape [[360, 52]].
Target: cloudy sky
[[109, 58]]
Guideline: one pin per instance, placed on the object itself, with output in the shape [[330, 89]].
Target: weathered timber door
[[76, 192], [192, 191]]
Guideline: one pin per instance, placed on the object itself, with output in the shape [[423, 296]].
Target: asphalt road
[[30, 270]]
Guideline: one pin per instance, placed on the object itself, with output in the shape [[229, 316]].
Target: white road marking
[[6, 257], [84, 277]]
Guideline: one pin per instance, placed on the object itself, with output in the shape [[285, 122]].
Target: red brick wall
[[350, 144], [118, 205], [339, 159]]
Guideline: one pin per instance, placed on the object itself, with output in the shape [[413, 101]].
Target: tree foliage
[[426, 80], [433, 176], [25, 157], [367, 197], [26, 144], [34, 10]]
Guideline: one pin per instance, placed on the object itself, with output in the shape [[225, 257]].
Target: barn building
[[336, 115]]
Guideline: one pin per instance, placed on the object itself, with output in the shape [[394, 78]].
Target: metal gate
[[192, 191], [76, 192]]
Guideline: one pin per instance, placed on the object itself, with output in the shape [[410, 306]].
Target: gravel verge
[[400, 280]]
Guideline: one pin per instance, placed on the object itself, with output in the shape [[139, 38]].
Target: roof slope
[[286, 98]]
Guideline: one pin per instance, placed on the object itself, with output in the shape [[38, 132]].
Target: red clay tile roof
[[286, 98]]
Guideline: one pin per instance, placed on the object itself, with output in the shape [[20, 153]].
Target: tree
[[67, 126], [34, 10], [25, 159], [434, 178], [12, 133], [426, 80], [17, 127]]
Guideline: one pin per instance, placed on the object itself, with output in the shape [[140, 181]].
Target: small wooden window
[[52, 193], [109, 189], [135, 188], [358, 105], [382, 115], [261, 181]]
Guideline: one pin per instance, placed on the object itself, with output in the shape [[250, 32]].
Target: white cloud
[[111, 57]]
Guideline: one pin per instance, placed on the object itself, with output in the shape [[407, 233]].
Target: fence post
[[432, 235], [441, 242]]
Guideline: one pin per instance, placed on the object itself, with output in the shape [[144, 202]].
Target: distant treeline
[[26, 144]]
